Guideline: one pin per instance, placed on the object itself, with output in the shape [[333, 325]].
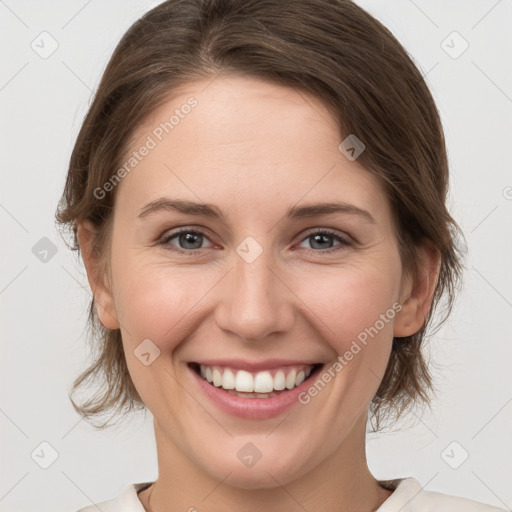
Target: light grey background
[[44, 304]]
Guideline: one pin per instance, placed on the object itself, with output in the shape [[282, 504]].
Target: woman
[[258, 194]]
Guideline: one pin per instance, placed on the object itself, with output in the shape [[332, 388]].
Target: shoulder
[[127, 501], [409, 496]]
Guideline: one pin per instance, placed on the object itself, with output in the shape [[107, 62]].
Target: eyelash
[[343, 241]]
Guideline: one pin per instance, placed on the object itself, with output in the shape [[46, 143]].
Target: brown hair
[[331, 49]]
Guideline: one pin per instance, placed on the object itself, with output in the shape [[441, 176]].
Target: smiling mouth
[[262, 384]]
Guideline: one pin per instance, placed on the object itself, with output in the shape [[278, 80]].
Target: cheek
[[355, 305], [158, 302]]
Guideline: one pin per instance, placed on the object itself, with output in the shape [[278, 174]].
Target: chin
[[278, 467]]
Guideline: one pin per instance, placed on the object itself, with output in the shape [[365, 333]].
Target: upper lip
[[255, 366]]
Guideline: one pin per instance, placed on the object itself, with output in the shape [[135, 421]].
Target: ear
[[417, 294], [98, 280]]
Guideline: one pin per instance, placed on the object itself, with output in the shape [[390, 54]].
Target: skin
[[254, 149]]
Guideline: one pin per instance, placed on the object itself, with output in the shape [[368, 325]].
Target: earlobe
[[103, 298], [418, 295]]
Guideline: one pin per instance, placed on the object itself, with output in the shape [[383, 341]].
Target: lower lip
[[252, 408]]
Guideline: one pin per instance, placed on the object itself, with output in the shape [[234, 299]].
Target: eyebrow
[[210, 210]]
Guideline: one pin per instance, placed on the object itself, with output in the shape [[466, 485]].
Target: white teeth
[[279, 381], [263, 382], [290, 379], [228, 379], [261, 385], [217, 377], [244, 381]]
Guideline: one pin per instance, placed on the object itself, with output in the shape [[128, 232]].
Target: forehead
[[247, 140], [241, 112]]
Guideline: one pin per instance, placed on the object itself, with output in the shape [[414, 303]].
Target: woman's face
[[262, 286]]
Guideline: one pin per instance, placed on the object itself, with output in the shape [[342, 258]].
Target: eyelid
[[330, 231], [168, 234], [345, 240]]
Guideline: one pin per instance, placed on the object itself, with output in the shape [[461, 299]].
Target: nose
[[256, 302]]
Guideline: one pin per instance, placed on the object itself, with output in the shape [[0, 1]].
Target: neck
[[341, 482]]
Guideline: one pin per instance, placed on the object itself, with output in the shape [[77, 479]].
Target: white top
[[408, 496]]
